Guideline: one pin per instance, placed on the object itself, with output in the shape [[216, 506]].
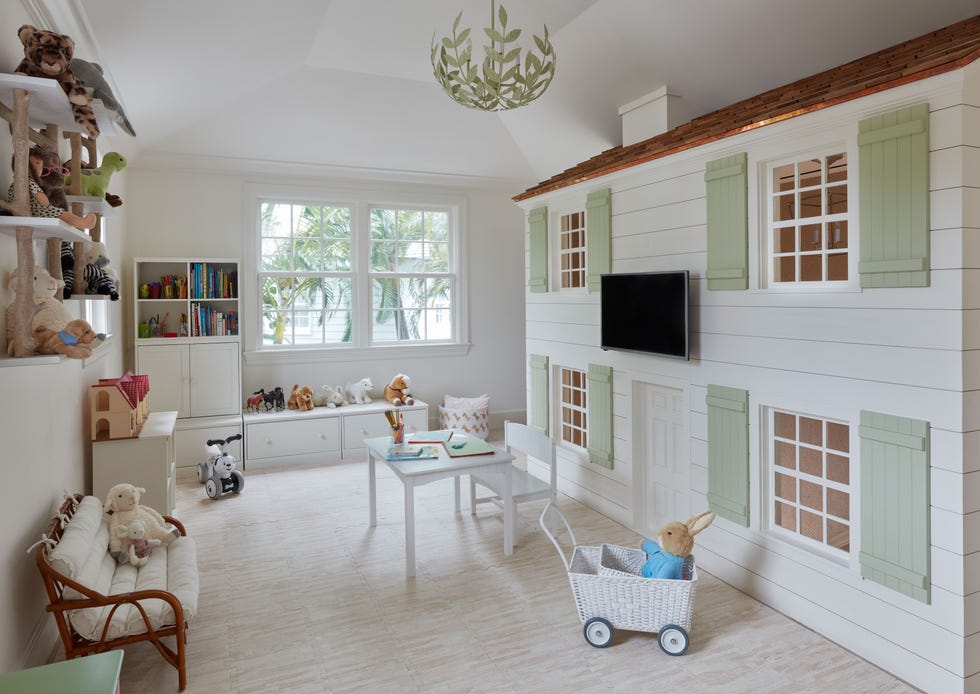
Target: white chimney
[[653, 114]]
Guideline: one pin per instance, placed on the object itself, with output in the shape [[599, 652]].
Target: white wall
[[191, 212], [911, 352]]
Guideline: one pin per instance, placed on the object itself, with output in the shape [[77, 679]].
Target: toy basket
[[609, 595], [472, 422]]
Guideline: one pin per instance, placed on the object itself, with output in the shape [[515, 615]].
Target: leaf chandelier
[[503, 82]]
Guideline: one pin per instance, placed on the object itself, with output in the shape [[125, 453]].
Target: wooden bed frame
[[75, 646]]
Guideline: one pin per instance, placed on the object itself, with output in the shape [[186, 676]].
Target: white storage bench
[[99, 604]]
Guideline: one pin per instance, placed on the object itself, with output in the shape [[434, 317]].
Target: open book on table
[[460, 447], [407, 451]]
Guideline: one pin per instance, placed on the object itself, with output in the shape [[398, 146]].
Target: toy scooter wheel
[[598, 632], [202, 472], [212, 488], [673, 640], [237, 481]]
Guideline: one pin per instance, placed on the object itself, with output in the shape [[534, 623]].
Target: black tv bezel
[[687, 317]]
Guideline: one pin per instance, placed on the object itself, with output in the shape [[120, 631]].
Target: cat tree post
[[50, 139], [23, 315]]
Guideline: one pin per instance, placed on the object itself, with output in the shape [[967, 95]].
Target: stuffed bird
[[90, 75]]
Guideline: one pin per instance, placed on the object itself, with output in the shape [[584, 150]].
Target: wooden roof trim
[[886, 69]]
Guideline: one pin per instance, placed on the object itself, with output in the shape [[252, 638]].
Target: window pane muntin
[[821, 514], [811, 192], [573, 412], [571, 250]]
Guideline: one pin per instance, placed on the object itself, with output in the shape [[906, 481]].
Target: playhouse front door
[[663, 459]]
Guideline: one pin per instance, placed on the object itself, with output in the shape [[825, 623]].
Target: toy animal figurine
[[398, 392], [665, 558], [331, 397], [139, 544], [253, 403], [218, 473], [47, 54], [41, 206], [95, 182], [280, 398], [358, 391], [91, 76], [97, 276], [300, 398]]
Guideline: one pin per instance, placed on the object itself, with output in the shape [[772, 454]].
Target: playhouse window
[[571, 250], [573, 410], [810, 479], [808, 239]]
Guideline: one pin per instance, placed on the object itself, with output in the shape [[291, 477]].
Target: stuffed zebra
[[68, 268], [99, 281]]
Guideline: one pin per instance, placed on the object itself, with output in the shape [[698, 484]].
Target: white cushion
[[87, 529], [83, 555]]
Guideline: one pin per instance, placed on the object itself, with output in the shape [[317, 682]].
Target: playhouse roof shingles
[[934, 53]]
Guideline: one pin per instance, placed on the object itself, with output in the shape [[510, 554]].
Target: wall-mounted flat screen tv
[[645, 312]]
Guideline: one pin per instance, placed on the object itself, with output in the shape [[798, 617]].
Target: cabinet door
[[215, 379], [169, 372]]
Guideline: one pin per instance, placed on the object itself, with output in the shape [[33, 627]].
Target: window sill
[[349, 354]]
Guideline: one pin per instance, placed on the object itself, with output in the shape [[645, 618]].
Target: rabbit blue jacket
[[661, 563]]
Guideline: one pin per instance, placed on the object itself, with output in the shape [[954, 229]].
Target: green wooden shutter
[[728, 453], [598, 236], [600, 409], [893, 174], [895, 503], [537, 223], [538, 416], [726, 190]]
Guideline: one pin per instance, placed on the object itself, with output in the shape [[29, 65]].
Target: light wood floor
[[298, 594]]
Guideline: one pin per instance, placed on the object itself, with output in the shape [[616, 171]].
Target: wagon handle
[[551, 535]]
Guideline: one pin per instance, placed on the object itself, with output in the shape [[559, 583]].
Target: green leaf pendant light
[[502, 81]]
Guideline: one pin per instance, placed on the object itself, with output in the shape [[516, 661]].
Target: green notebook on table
[[460, 447]]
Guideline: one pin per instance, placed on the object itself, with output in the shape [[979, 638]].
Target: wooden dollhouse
[[119, 406]]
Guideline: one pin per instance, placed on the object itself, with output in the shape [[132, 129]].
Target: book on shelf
[[438, 436], [467, 446], [407, 451]]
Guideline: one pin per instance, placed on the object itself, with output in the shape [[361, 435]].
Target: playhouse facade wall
[[912, 352]]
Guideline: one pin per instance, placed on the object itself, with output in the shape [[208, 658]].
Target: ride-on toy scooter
[[218, 473]]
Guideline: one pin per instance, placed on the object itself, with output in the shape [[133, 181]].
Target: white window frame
[[769, 469], [554, 243], [360, 201], [767, 222], [559, 407]]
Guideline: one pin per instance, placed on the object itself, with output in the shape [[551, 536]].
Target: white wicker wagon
[[611, 594]]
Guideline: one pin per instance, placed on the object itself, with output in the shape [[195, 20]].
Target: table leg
[[372, 492], [409, 527], [456, 489], [509, 524]]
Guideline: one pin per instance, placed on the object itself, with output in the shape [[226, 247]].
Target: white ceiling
[[348, 83]]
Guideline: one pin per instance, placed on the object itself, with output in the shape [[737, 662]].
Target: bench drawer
[[295, 437], [376, 424]]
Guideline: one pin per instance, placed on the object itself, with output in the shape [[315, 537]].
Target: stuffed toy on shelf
[[122, 506], [332, 397], [300, 398], [41, 206], [398, 391], [96, 275], [47, 54], [358, 391], [95, 182]]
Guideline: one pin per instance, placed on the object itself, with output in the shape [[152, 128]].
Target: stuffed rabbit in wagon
[[665, 557]]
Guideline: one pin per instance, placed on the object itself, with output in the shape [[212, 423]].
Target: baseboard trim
[[41, 646]]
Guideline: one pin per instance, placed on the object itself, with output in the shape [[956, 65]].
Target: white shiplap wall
[[910, 352]]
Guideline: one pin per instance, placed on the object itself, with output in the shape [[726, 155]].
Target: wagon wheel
[[598, 632], [673, 640]]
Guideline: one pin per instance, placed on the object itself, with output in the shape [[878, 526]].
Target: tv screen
[[645, 312]]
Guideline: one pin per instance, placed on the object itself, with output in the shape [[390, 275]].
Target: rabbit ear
[[700, 522]]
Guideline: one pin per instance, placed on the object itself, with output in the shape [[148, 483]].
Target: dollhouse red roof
[[932, 54]]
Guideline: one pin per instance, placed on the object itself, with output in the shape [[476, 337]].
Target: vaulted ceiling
[[348, 83]]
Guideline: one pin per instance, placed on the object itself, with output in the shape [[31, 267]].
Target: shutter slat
[[895, 505], [538, 415], [726, 198], [893, 181], [537, 224], [728, 453], [598, 237], [600, 415]]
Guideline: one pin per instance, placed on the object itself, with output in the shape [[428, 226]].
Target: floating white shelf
[[44, 228], [49, 105], [90, 203]]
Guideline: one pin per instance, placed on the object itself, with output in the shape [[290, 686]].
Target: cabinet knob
[[323, 436], [268, 442], [364, 432]]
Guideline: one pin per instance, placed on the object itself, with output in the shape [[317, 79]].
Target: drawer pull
[[268, 442], [323, 436], [364, 432]]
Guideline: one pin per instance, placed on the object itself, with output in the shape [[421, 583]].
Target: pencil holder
[[398, 434]]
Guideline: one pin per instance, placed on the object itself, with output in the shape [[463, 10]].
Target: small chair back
[[533, 443]]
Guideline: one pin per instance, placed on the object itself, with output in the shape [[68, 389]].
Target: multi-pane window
[[808, 221], [573, 407], [810, 478], [355, 274], [571, 250], [411, 288], [305, 274]]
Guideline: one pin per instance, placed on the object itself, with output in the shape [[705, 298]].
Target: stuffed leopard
[[47, 54]]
